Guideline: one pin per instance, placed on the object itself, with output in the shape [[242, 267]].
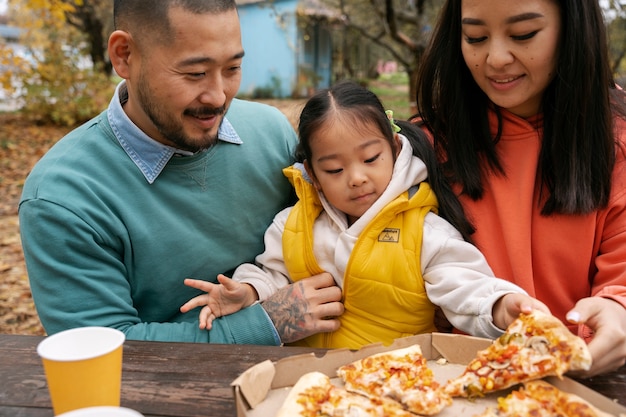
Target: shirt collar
[[149, 155]]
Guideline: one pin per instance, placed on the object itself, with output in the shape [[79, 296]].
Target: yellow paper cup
[[83, 367], [103, 411]]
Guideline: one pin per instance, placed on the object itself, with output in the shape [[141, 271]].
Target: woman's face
[[510, 47]]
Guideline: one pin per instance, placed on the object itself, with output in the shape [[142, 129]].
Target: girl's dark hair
[[359, 105], [578, 146]]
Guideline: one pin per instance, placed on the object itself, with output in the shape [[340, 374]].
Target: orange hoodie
[[558, 259]]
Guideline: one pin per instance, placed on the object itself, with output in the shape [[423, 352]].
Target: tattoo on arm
[[289, 310]]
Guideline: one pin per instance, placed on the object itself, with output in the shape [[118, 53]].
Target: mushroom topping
[[499, 365], [538, 343]]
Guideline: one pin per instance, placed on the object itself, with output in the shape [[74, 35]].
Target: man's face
[[180, 91]]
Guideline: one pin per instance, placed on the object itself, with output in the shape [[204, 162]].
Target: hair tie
[[394, 126]]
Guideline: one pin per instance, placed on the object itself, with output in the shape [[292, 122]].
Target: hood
[[408, 171]]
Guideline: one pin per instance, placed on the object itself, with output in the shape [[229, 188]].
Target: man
[[175, 179]]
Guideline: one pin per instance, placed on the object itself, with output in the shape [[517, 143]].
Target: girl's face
[[510, 47], [351, 164]]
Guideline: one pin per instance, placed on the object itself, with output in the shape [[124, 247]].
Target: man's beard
[[171, 129]]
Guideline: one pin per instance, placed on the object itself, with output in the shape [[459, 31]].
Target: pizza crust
[[291, 407], [401, 375], [538, 398], [580, 356], [323, 398], [582, 407], [534, 346]]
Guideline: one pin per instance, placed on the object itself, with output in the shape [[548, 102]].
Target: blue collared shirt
[[149, 155]]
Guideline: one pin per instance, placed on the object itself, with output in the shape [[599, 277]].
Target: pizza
[[534, 346], [401, 375], [314, 395], [397, 383], [538, 398]]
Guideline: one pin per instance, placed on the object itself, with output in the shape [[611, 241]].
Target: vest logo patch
[[389, 235]]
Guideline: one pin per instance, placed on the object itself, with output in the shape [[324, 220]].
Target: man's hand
[[306, 307]]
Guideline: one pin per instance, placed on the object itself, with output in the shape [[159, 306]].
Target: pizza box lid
[[261, 389]]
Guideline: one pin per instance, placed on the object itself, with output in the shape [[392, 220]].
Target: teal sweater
[[103, 247]]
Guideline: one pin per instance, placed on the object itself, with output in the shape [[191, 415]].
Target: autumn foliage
[[22, 143], [55, 77]]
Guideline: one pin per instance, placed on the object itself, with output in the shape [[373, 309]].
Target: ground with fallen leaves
[[22, 143]]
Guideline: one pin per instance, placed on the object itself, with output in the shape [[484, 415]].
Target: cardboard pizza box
[[261, 390]]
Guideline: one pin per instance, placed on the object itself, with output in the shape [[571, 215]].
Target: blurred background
[[55, 66]]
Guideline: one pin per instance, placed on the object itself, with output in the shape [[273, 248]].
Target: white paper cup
[[104, 411], [83, 367]]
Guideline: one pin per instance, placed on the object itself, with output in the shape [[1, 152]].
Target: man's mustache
[[206, 111]]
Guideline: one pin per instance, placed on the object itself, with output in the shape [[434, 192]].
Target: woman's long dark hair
[[450, 207], [357, 104], [578, 147]]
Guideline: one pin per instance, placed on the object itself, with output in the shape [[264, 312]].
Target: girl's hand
[[509, 307], [221, 299]]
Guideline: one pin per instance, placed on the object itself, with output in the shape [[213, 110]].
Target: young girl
[[368, 198], [523, 110]]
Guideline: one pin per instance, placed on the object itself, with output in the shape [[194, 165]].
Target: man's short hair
[[149, 18]]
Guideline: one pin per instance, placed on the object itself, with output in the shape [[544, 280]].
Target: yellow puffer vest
[[384, 292]]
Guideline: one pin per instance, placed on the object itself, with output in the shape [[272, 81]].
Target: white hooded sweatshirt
[[457, 276]]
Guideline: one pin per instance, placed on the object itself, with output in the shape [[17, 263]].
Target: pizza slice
[[314, 395], [534, 346], [538, 398], [401, 375]]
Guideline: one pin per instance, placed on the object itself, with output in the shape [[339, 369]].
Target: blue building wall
[[316, 54], [270, 40]]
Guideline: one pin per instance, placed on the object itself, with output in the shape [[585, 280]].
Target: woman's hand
[[607, 319]]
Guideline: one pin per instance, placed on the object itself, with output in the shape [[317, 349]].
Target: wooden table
[[171, 379]]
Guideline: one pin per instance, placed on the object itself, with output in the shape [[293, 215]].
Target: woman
[[525, 115]]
